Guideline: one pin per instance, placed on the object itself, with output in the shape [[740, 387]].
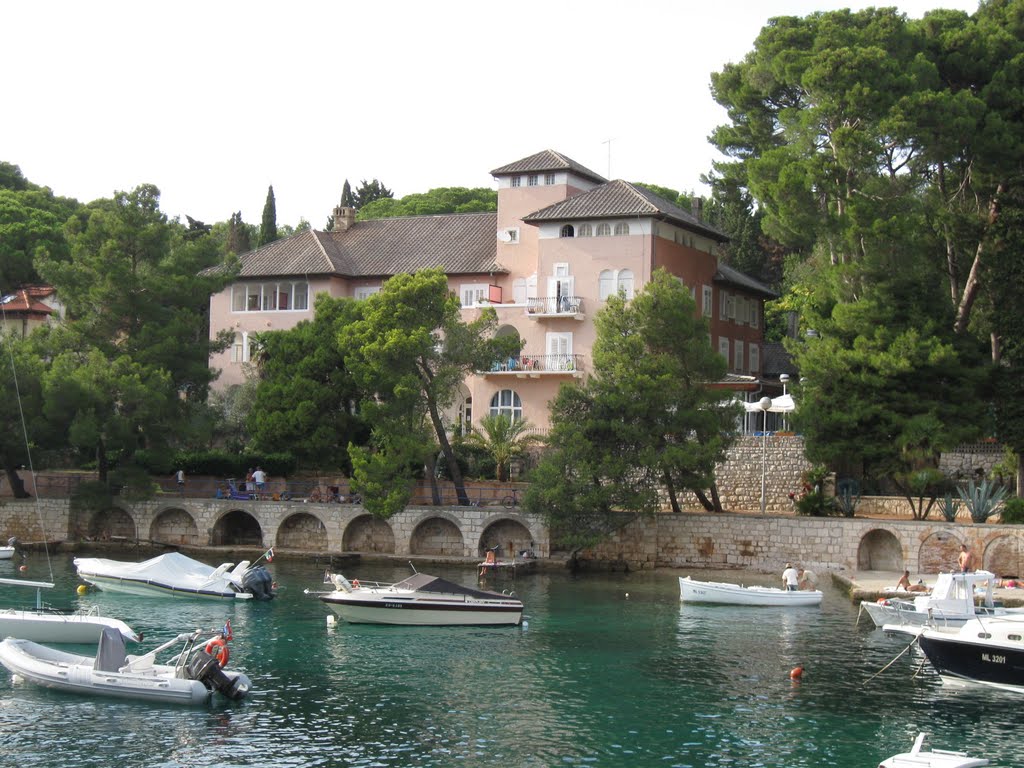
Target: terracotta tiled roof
[[457, 243], [548, 160], [618, 199], [730, 276], [23, 301]]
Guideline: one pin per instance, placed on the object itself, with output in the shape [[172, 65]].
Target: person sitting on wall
[[904, 583]]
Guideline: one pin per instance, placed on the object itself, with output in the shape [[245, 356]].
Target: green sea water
[[607, 670]]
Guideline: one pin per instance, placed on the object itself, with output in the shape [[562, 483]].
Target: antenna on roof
[[609, 143], [413, 567]]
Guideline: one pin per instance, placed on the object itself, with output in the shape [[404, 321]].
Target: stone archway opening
[[237, 527], [510, 536], [367, 533], [175, 526], [938, 553], [1004, 558], [437, 536], [107, 524], [302, 531], [879, 550]]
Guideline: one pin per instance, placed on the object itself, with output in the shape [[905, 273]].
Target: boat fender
[[796, 673], [355, 583], [218, 648]]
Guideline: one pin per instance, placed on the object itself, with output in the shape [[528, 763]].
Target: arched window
[[506, 402], [586, 231], [625, 286], [606, 284], [603, 230], [622, 228], [567, 231]]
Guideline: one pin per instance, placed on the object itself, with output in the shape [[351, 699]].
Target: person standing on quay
[[965, 560], [260, 478], [179, 477], [791, 578]]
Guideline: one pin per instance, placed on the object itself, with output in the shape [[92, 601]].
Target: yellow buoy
[[82, 589]]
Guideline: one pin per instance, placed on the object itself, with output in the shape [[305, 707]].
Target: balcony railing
[[535, 365], [555, 306]]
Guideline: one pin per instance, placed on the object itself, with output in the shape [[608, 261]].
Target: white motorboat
[[936, 758], [987, 651], [6, 553], [693, 591], [421, 600], [176, 575], [950, 603], [44, 625], [190, 677]]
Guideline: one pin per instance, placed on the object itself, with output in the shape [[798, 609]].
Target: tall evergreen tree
[[369, 191], [347, 201], [268, 229], [239, 240]]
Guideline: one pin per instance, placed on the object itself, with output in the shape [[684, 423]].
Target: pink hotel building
[[562, 240]]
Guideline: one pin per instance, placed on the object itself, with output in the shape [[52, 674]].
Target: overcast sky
[[213, 101]]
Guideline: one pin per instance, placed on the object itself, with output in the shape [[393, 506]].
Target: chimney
[[697, 206], [344, 218]]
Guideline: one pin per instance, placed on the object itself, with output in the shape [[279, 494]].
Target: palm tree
[[504, 439]]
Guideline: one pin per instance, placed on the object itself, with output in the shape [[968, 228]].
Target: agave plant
[[949, 507], [982, 500], [847, 497]]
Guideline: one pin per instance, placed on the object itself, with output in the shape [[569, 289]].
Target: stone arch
[[437, 536], [175, 526], [938, 552], [237, 527], [879, 550], [508, 534], [302, 530], [109, 523], [367, 533], [1003, 557]]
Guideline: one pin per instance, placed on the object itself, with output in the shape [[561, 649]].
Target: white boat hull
[[417, 614], [938, 758], [692, 591], [6, 553], [43, 627], [169, 575], [62, 671], [151, 589]]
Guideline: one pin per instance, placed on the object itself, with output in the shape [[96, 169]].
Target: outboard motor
[[258, 582], [206, 669]]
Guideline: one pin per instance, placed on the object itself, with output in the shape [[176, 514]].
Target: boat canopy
[[421, 582]]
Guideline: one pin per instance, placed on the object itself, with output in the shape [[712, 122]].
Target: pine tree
[[268, 229], [238, 235], [347, 201]]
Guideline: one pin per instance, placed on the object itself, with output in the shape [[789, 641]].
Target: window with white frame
[[723, 305], [585, 231], [241, 351], [473, 293], [737, 355], [559, 346], [531, 180], [276, 296], [566, 231], [549, 179], [516, 181], [755, 358], [622, 228], [363, 292], [755, 311], [624, 284], [605, 284], [706, 295], [506, 402], [604, 229], [723, 348], [731, 306]]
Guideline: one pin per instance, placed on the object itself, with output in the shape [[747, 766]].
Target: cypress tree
[[268, 229]]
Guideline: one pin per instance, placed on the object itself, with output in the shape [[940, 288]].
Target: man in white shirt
[[791, 578], [260, 478]]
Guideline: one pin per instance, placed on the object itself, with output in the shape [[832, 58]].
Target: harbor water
[[607, 670]]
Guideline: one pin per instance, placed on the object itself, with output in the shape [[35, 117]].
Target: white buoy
[[331, 620]]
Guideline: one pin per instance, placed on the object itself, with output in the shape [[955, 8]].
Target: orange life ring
[[355, 583], [218, 648], [882, 601]]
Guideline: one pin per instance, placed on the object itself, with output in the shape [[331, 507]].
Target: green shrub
[[813, 504], [1013, 512]]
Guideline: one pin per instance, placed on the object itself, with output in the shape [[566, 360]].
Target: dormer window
[[586, 231], [604, 230], [622, 228], [549, 179], [567, 231], [531, 180], [516, 181]]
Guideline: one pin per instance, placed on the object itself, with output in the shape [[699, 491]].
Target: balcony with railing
[[555, 306], [534, 366]]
